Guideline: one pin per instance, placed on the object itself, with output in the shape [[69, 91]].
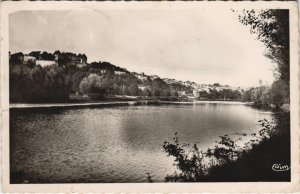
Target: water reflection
[[119, 144]]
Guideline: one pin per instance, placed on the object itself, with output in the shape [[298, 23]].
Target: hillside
[[64, 76]]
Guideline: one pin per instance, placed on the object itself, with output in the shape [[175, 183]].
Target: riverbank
[[264, 157], [116, 103], [263, 162], [268, 160]]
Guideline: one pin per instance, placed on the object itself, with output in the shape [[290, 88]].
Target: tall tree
[[272, 28]]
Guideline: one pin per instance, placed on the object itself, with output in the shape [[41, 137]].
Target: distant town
[[64, 76]]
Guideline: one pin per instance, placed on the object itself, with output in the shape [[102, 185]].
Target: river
[[115, 144]]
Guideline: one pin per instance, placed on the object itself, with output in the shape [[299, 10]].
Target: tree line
[[272, 29], [276, 94], [33, 83]]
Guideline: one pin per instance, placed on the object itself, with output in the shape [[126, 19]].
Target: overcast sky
[[196, 45]]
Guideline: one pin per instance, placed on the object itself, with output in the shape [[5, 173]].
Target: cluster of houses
[[46, 59]]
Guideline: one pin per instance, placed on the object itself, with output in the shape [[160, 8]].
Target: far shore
[[118, 103]]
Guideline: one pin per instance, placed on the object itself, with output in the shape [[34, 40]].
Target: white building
[[141, 87], [141, 77], [196, 93], [81, 65], [181, 93], [119, 72], [45, 63], [29, 58], [102, 71]]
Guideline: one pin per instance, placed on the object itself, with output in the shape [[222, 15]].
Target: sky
[[188, 45]]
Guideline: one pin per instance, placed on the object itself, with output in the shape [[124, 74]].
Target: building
[[141, 76], [181, 93], [70, 59], [81, 65], [153, 77], [119, 72], [141, 87], [28, 58], [103, 71], [196, 93], [45, 63]]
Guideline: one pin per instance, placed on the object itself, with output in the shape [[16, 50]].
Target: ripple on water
[[119, 144]]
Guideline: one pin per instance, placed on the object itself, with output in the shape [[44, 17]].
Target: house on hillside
[[141, 76], [81, 65], [119, 72], [196, 93], [190, 96], [40, 58], [141, 87], [28, 58], [153, 77], [181, 93], [45, 63], [103, 71], [70, 59]]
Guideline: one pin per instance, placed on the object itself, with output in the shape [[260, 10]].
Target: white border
[[293, 186]]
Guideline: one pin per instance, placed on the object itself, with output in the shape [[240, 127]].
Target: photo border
[[293, 186]]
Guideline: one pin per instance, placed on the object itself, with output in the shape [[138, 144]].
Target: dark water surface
[[117, 144]]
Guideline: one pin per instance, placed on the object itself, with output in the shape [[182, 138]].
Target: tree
[[133, 90], [279, 93], [272, 29], [91, 84], [16, 59], [35, 54], [47, 56], [156, 92], [147, 92], [174, 93]]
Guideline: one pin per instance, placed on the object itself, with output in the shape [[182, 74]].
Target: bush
[[228, 161]]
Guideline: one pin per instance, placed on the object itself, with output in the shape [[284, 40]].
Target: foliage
[[280, 94], [97, 78], [195, 165], [277, 94], [272, 29], [91, 84], [214, 94], [190, 165], [42, 55]]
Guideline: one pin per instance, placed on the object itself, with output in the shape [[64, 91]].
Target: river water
[[115, 144]]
